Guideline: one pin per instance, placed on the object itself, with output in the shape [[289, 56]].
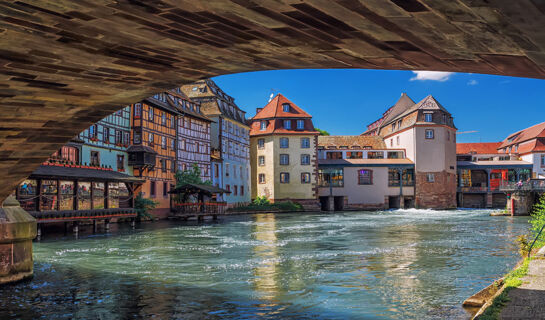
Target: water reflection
[[398, 265]]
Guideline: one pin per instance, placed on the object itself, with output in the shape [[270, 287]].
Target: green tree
[[191, 175], [143, 207], [322, 132]]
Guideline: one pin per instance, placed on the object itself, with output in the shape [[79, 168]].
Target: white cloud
[[472, 82], [431, 75]]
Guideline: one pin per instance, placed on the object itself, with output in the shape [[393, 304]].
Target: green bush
[[263, 204], [524, 245], [537, 221], [143, 207], [261, 201]]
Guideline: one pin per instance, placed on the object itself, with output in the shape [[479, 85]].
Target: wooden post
[[107, 224], [39, 232], [94, 225], [75, 228], [106, 195], [39, 195], [92, 188]]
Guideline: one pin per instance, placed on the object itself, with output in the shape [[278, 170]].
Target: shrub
[[261, 201], [537, 221], [143, 207], [524, 246]]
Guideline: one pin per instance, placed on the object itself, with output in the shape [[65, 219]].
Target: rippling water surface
[[413, 264]]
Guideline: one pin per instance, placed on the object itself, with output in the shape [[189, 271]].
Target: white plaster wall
[[406, 141], [435, 155]]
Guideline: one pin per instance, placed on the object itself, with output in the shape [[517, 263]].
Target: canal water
[[404, 264]]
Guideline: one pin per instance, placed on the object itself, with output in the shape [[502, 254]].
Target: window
[[172, 144], [164, 119], [393, 177], [543, 160], [354, 155], [305, 143], [334, 155], [284, 159], [164, 165], [150, 114], [284, 177], [137, 137], [430, 177], [150, 138], [300, 124], [227, 170], [261, 178], [287, 124], [429, 134], [261, 160], [365, 177], [261, 143], [84, 195], [375, 155], [165, 189], [517, 148], [163, 142], [393, 126], [241, 190], [286, 107], [399, 124], [118, 137], [106, 135], [93, 131], [263, 126], [428, 117], [305, 159], [305, 177], [137, 111], [152, 189], [216, 170], [120, 162], [172, 122], [284, 143], [328, 176], [395, 154], [235, 190], [444, 118], [228, 187], [95, 158]]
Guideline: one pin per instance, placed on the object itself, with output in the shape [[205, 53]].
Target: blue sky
[[344, 101]]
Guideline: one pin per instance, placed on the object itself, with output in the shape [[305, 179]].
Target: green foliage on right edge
[[538, 220], [143, 207], [322, 132]]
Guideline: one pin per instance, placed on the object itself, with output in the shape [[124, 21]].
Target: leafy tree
[[143, 207], [191, 175], [322, 132]]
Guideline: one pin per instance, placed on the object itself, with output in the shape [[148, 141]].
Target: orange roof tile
[[274, 109], [478, 148], [533, 132]]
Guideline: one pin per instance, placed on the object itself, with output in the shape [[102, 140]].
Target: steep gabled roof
[[274, 109], [403, 104], [428, 103], [478, 148], [533, 132]]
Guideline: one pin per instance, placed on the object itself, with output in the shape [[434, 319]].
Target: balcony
[[533, 185], [141, 156]]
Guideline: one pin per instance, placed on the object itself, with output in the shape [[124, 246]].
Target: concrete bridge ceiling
[[65, 64]]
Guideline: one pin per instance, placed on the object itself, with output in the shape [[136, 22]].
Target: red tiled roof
[[273, 109], [536, 131], [536, 145], [478, 148]]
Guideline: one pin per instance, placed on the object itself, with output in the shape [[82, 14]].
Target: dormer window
[[287, 124], [286, 107], [300, 124], [263, 126], [428, 117]]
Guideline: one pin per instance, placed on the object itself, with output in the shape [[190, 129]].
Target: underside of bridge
[[65, 64]]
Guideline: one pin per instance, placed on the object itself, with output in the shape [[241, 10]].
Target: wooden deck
[[199, 210]]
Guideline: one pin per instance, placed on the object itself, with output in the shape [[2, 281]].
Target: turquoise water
[[405, 264]]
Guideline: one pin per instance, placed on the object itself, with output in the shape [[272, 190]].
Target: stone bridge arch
[[65, 64]]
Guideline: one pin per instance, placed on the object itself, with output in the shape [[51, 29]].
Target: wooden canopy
[[205, 189]]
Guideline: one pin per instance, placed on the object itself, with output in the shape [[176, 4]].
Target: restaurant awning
[[190, 188], [79, 173]]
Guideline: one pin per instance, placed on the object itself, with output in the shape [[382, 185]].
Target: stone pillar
[[489, 199], [523, 202], [17, 229], [331, 203]]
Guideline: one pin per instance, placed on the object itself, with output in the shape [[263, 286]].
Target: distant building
[[105, 143], [283, 153], [359, 172], [482, 170], [426, 131], [153, 150], [229, 137], [529, 145]]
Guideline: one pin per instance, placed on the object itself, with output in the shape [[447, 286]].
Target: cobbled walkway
[[528, 300]]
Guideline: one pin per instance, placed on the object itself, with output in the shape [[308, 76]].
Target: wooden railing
[[199, 208]]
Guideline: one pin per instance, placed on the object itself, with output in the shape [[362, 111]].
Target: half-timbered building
[[153, 150]]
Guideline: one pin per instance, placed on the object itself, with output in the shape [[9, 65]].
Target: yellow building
[[283, 153]]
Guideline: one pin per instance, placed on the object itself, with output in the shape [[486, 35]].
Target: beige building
[[283, 153], [426, 131]]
